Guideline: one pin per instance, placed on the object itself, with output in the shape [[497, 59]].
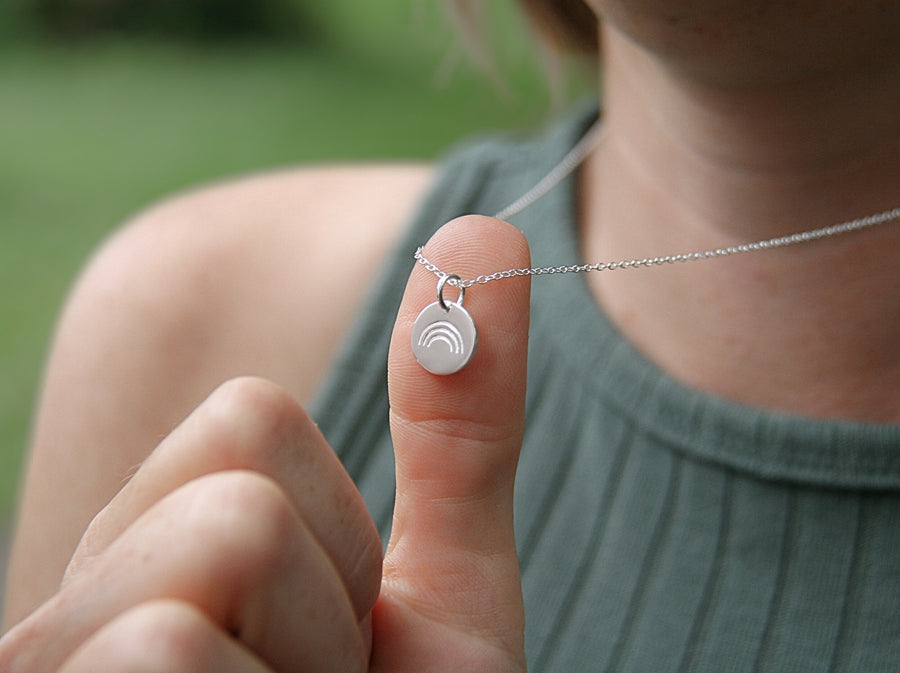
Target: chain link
[[558, 173], [568, 164], [768, 244]]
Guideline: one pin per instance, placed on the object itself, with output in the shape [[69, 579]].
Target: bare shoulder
[[257, 276], [262, 274]]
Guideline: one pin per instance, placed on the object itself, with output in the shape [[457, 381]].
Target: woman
[[709, 474]]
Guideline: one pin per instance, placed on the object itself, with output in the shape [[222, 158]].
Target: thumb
[[457, 438]]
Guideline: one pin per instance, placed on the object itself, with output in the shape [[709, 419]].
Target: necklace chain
[[444, 336], [569, 163], [558, 173], [768, 244]]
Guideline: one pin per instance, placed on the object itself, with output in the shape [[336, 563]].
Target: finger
[[457, 437], [229, 544], [251, 424], [163, 637]]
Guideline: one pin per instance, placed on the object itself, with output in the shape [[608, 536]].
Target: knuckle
[[255, 401], [248, 419], [161, 636], [244, 522]]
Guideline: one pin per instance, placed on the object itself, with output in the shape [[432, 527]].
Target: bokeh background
[[107, 105]]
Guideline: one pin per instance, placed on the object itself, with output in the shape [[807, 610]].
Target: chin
[[740, 41]]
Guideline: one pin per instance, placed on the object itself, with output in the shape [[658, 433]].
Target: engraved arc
[[444, 332]]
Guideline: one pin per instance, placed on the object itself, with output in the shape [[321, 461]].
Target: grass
[[95, 131]]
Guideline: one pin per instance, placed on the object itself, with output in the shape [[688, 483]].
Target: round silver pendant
[[444, 337]]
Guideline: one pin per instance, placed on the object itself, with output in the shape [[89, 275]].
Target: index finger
[[252, 424]]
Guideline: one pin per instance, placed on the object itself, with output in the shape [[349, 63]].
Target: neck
[[691, 163]]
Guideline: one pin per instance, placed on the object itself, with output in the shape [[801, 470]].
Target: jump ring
[[440, 290]]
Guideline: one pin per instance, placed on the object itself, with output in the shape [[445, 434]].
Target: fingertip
[[468, 247]]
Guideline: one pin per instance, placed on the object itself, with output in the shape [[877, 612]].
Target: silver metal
[[768, 244], [566, 165], [443, 280], [444, 337]]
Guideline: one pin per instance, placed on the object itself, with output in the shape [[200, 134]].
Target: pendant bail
[[442, 281]]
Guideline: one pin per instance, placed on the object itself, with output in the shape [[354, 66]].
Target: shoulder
[[255, 276]]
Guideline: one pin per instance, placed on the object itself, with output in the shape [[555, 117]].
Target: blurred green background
[[106, 105]]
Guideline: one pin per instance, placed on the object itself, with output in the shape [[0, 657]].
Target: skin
[[237, 542], [701, 153]]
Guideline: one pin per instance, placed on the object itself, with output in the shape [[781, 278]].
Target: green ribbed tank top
[[659, 529]]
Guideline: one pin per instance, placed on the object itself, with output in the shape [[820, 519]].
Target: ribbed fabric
[[660, 529]]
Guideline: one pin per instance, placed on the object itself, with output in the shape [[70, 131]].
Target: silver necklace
[[444, 337]]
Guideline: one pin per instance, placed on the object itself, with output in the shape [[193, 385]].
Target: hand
[[242, 545]]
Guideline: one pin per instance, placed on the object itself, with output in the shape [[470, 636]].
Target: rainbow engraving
[[442, 331]]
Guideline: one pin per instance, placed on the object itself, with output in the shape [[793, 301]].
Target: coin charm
[[444, 335]]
